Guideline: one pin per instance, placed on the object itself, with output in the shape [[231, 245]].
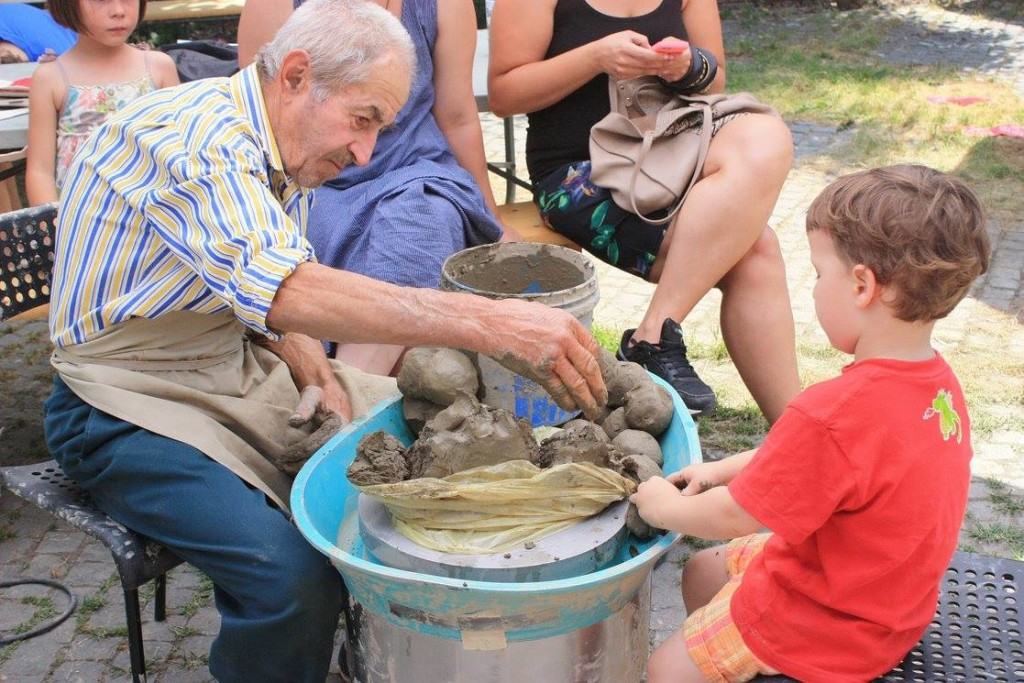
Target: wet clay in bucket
[[548, 274]]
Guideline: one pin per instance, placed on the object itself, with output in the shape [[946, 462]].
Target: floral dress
[[86, 107]]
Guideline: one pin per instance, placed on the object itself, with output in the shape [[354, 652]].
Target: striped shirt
[[179, 202]]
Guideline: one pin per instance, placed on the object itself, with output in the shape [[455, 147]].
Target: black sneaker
[[667, 359]]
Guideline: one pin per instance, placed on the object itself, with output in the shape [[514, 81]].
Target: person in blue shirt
[[27, 33]]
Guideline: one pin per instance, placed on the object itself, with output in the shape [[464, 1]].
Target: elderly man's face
[[321, 138]]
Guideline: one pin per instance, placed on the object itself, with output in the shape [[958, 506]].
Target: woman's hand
[[628, 54], [675, 66]]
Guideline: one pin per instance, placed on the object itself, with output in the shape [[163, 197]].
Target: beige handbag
[[650, 149]]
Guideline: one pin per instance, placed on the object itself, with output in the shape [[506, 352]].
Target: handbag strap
[[702, 155]]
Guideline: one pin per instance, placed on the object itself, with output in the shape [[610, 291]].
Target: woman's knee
[[758, 145], [761, 266]]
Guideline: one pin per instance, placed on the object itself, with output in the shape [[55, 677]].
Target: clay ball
[[418, 412], [636, 442], [437, 375], [615, 423], [573, 424], [649, 408], [636, 524], [623, 377]]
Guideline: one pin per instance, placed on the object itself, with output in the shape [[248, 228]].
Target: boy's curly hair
[[921, 231]]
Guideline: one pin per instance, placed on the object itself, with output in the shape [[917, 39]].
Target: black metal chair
[[26, 258], [976, 632]]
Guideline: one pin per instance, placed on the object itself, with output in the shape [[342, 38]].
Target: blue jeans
[[279, 599]]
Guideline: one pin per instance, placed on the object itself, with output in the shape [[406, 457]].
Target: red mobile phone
[[670, 46]]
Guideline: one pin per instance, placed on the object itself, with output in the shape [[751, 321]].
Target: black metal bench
[[26, 258], [976, 632]]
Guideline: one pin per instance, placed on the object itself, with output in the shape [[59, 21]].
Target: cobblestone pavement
[[91, 646]]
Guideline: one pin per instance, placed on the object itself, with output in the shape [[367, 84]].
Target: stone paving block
[[87, 576], [30, 662], [61, 542], [179, 674], [86, 647], [79, 672], [94, 551], [48, 566], [193, 648], [111, 614], [184, 577], [156, 653], [206, 621], [13, 614], [160, 631]]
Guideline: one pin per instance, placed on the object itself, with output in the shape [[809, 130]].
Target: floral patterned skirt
[[572, 205]]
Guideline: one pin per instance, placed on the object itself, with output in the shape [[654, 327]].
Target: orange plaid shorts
[[712, 639]]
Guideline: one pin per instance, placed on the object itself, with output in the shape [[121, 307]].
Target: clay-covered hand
[[698, 478], [628, 54], [310, 368], [552, 348], [321, 402], [654, 500]]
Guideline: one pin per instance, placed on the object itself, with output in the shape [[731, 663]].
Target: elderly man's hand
[[553, 348]]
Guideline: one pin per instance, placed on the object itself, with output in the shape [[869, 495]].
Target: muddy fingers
[[577, 388], [309, 399]]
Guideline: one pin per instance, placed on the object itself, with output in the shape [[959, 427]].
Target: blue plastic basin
[[322, 499]]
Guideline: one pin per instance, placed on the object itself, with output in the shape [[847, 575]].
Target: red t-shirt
[[863, 481]]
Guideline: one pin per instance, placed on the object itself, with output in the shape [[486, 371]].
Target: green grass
[[607, 337], [731, 430], [201, 598], [1002, 534], [1003, 499], [826, 70]]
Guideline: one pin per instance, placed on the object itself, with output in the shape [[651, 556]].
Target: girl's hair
[[344, 38], [65, 13], [918, 229]]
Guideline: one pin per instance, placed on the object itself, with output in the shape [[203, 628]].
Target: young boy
[[863, 480]]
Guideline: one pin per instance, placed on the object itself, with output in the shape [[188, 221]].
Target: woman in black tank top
[[551, 59]]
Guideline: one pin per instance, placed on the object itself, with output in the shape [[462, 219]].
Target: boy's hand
[[698, 478], [654, 500]]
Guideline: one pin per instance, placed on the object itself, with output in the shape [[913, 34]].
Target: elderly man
[[180, 239]]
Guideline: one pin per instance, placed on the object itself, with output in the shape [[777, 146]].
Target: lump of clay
[[437, 375], [638, 468], [649, 408], [581, 443], [577, 423], [636, 524], [636, 442], [615, 423], [469, 434], [623, 377], [418, 412], [380, 459]]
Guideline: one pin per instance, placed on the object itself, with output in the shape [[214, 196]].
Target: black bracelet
[[703, 69]]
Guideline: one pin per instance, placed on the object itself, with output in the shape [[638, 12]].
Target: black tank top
[[560, 134]]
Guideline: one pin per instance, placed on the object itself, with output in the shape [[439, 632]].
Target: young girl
[[74, 94]]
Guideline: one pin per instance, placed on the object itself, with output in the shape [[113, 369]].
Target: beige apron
[[196, 379]]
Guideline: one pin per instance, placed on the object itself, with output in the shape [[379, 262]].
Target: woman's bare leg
[[757, 325], [377, 359], [722, 218]]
